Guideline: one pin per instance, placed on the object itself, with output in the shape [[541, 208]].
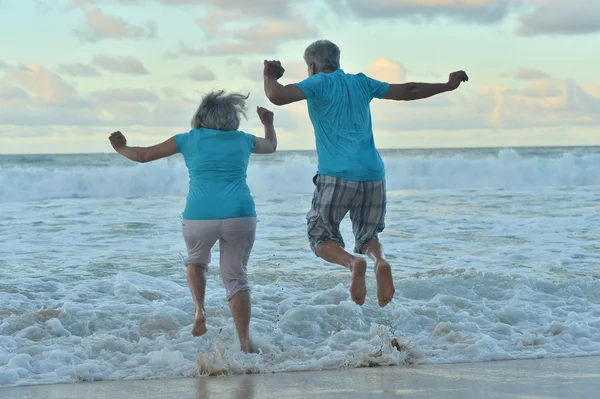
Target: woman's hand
[[118, 141], [266, 116]]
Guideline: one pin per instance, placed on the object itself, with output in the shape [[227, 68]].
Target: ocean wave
[[506, 169]]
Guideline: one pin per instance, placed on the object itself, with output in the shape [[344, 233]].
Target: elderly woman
[[219, 204]]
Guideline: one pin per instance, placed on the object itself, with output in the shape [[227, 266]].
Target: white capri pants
[[236, 238]]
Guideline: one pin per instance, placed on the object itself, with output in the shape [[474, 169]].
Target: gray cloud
[[171, 92], [125, 94], [100, 26], [78, 70], [483, 11], [9, 92], [574, 17], [120, 64], [200, 73], [531, 74], [3, 65]]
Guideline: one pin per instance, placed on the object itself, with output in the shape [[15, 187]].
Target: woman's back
[[217, 162]]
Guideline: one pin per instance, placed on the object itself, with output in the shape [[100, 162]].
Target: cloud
[[386, 70], [542, 89], [125, 94], [120, 64], [43, 86], [255, 8], [200, 73], [265, 37], [233, 61], [531, 74], [78, 70], [3, 65], [475, 11], [296, 27], [31, 95], [9, 92], [100, 26], [171, 92], [574, 17]]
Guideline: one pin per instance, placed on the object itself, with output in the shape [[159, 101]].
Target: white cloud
[[100, 26], [386, 70], [43, 86], [264, 37]]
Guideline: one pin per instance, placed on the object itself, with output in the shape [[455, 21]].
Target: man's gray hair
[[324, 54], [220, 111]]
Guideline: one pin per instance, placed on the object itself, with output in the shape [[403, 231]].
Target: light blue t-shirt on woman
[[217, 162], [339, 108]]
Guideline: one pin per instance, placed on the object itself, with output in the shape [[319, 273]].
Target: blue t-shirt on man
[[339, 108], [217, 162]]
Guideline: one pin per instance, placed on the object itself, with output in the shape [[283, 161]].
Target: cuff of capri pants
[[189, 261], [236, 290]]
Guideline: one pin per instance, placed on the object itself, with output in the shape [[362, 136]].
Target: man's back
[[339, 108]]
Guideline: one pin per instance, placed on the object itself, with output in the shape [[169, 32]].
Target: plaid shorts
[[334, 198]]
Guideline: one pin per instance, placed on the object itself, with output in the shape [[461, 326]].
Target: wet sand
[[577, 378]]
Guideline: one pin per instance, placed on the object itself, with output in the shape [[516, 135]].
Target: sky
[[74, 71]]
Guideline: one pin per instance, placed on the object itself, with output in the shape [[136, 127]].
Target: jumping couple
[[350, 176]]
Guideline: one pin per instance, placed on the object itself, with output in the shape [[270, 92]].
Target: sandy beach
[[577, 378]]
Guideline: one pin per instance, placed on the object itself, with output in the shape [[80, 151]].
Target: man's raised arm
[[417, 91], [277, 93]]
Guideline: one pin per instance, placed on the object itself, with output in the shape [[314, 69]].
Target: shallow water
[[496, 255]]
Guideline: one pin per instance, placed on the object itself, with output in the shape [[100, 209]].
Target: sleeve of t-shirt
[[180, 141], [377, 89], [250, 138], [312, 87]]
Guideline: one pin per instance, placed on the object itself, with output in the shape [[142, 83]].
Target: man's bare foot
[[199, 327], [358, 287], [385, 282]]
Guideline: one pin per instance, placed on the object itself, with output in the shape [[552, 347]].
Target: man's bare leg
[[332, 252], [240, 309], [196, 275], [383, 272]]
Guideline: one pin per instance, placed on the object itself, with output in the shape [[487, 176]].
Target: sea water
[[495, 252]]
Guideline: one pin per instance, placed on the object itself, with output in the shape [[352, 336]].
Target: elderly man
[[351, 175]]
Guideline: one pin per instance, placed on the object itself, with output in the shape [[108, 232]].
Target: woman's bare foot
[[385, 282], [358, 287], [199, 327]]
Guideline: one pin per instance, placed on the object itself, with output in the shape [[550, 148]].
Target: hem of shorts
[[315, 244], [352, 177], [358, 246]]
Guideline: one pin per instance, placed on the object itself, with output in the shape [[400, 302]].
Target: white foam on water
[[499, 262]]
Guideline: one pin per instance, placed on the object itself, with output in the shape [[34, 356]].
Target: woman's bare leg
[[196, 275], [241, 309]]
